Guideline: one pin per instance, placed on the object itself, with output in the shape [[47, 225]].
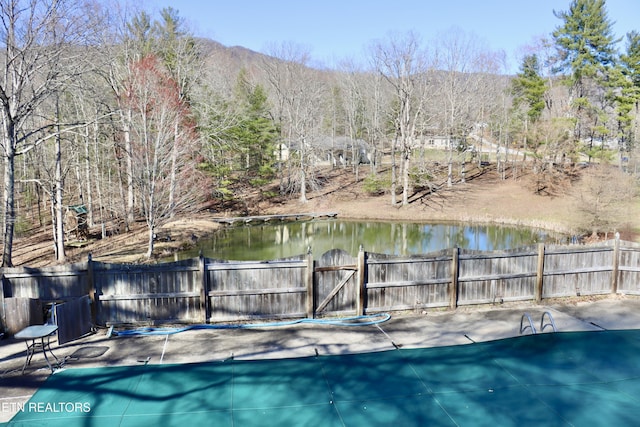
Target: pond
[[273, 241]]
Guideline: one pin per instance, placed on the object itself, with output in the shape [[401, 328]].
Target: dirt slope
[[485, 198]]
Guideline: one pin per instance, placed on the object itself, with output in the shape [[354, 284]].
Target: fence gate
[[336, 284], [73, 318]]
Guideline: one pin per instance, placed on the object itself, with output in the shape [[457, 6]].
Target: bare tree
[[181, 56], [42, 52], [602, 197], [130, 42], [400, 60], [298, 94], [157, 111], [375, 101], [352, 84], [457, 56], [488, 96], [550, 144]]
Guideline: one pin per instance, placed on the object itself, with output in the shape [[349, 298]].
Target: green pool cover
[[573, 379]]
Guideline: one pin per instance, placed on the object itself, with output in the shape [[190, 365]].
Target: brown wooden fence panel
[[20, 313], [241, 290], [575, 271], [407, 283], [495, 277], [200, 290], [49, 284], [73, 319], [158, 293], [629, 271]]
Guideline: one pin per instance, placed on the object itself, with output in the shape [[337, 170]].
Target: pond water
[[273, 241]]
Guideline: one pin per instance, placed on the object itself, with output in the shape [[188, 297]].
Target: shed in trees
[[76, 221]]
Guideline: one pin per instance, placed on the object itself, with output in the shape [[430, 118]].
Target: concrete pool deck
[[428, 329]]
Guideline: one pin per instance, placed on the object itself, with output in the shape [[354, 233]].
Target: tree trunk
[[406, 155], [9, 202], [152, 233], [450, 164], [98, 182], [150, 214], [59, 211], [393, 172], [463, 170], [174, 161], [303, 184], [87, 177], [303, 173], [129, 217]]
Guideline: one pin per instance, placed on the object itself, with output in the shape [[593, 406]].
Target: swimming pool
[[567, 378]]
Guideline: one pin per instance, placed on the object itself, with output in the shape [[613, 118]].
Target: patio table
[[39, 335]]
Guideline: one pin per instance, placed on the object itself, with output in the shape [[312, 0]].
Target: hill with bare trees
[[122, 121]]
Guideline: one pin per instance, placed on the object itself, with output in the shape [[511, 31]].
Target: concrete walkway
[[429, 329]]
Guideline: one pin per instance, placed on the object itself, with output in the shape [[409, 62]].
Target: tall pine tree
[[628, 105], [528, 89], [586, 49], [255, 134]]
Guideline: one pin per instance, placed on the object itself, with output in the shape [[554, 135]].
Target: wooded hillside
[[115, 116]]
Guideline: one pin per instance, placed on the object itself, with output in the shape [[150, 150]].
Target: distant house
[[335, 151], [436, 141], [441, 142], [342, 150]]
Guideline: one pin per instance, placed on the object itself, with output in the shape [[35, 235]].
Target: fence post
[[204, 288], [616, 264], [360, 290], [310, 285], [455, 272], [3, 314], [539, 274], [93, 294]]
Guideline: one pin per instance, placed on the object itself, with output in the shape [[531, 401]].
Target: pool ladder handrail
[[551, 322], [524, 327], [543, 325]]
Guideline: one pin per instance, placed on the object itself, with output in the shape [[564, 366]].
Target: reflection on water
[[272, 241]]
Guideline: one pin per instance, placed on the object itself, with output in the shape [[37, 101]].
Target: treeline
[[130, 116]]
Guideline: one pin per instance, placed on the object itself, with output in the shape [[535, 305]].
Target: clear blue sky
[[336, 29]]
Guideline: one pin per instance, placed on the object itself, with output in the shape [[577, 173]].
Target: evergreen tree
[[631, 60], [139, 39], [255, 134], [585, 42], [628, 106], [529, 87], [586, 49], [178, 50]]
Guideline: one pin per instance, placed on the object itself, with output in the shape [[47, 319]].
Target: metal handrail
[[551, 322], [524, 327]]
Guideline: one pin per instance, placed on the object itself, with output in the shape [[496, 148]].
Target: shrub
[[376, 185], [22, 226]]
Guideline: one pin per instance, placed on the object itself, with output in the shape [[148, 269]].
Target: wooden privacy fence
[[204, 290]]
